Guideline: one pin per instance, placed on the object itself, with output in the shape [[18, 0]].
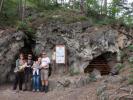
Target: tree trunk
[[105, 7], [101, 7], [1, 5], [20, 9], [82, 6], [23, 9]]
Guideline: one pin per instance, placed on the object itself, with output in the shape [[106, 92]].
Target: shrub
[[73, 72], [119, 66], [92, 78], [27, 29], [130, 47], [130, 59], [22, 25], [130, 80]]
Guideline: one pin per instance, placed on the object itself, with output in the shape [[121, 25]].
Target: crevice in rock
[[104, 63]]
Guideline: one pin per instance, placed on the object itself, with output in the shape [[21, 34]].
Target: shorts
[[44, 74]]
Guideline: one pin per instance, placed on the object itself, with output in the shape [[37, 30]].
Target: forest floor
[[84, 93]]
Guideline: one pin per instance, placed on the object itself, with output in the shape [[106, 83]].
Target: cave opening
[[102, 63], [29, 44]]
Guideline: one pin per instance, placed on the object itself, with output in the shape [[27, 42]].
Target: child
[[36, 75]]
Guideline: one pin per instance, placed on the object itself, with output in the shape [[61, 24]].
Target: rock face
[[64, 82], [83, 41], [10, 44]]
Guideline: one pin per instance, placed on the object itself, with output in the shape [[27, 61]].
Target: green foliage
[[63, 15], [131, 66], [22, 25], [101, 13], [119, 66], [93, 5], [27, 29], [8, 16], [130, 47], [43, 4], [130, 59], [113, 8], [104, 21], [130, 81], [122, 54], [73, 72], [92, 78]]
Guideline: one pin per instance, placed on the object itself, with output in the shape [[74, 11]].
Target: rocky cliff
[[10, 44], [83, 40]]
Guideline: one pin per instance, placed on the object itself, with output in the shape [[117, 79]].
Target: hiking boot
[[42, 88], [46, 89], [33, 90], [37, 90]]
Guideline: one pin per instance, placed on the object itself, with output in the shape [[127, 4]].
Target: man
[[44, 71], [28, 74]]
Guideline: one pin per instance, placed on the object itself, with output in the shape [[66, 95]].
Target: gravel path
[[85, 93]]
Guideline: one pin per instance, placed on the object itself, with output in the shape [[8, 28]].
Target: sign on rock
[[60, 54]]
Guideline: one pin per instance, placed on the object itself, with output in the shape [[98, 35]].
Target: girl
[[36, 74]]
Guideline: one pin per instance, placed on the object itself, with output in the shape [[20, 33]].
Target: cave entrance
[[29, 44], [101, 63]]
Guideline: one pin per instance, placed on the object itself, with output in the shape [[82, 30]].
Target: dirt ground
[[85, 93]]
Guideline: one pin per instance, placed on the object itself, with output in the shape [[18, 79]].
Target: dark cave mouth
[[29, 44], [28, 47], [101, 63]]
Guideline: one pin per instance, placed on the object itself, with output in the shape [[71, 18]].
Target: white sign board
[[60, 54]]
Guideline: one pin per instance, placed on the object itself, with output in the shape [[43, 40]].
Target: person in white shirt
[[44, 71], [36, 74]]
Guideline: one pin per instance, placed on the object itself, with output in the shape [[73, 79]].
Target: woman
[[19, 72], [36, 74], [44, 71], [28, 74]]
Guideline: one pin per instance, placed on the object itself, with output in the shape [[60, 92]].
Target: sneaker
[[42, 89], [33, 90], [37, 90], [46, 89]]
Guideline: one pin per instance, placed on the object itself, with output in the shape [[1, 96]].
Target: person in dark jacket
[[28, 74]]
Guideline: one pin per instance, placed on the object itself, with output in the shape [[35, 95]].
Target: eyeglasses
[[29, 56]]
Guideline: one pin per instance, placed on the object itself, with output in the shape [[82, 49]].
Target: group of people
[[32, 75]]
